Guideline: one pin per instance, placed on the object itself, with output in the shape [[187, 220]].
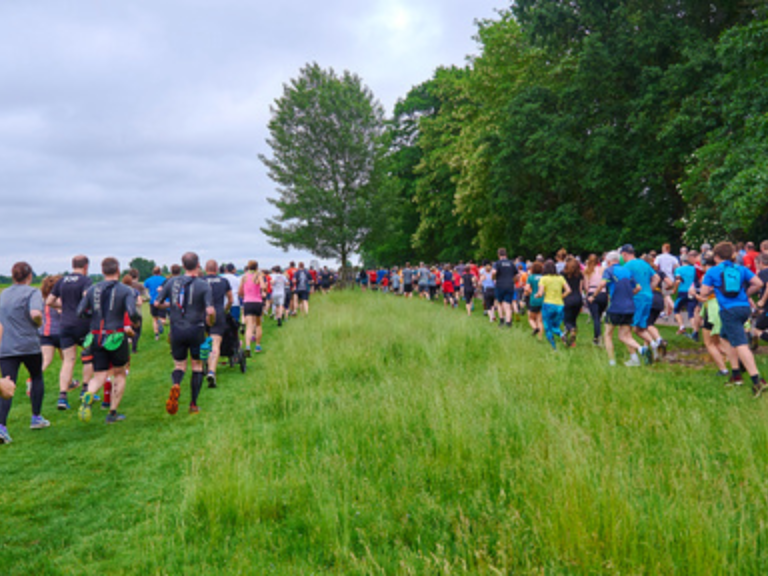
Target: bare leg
[[608, 339], [213, 356], [118, 387]]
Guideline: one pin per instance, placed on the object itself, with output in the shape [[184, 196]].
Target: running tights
[[552, 316], [9, 366], [571, 312], [596, 310]]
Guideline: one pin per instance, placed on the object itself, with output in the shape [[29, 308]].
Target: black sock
[[197, 384], [62, 395], [736, 373], [177, 376], [755, 379], [113, 412]]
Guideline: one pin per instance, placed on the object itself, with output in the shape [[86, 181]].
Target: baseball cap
[[628, 249]]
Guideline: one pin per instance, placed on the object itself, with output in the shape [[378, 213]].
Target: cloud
[[133, 129]]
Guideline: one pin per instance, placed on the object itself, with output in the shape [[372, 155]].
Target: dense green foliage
[[431, 444], [326, 135], [587, 124], [144, 266]]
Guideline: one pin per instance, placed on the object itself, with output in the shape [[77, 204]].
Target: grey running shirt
[[189, 311], [423, 276], [20, 335], [108, 301], [407, 276]]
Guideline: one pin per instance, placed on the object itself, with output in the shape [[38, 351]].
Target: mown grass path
[[389, 436]]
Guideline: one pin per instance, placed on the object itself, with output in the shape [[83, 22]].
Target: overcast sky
[[133, 128]]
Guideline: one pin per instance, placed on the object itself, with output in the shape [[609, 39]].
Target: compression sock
[[755, 379], [736, 373], [177, 376], [36, 395], [197, 384]]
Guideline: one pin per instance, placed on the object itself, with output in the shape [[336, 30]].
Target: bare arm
[[53, 302], [230, 301], [755, 285]]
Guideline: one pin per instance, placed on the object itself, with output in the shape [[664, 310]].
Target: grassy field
[[382, 436]]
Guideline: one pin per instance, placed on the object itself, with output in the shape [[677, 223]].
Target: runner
[[106, 304], [221, 294], [292, 301], [49, 331], [153, 284], [191, 307], [710, 328], [301, 282], [574, 301], [657, 308], [489, 290], [553, 288], [279, 290], [621, 310], [468, 285], [733, 285], [535, 302], [325, 280], [253, 288], [685, 280], [66, 296], [449, 288], [21, 314], [647, 279], [504, 274], [234, 286], [408, 280], [667, 264], [395, 281], [362, 278], [596, 301], [760, 324], [423, 281]]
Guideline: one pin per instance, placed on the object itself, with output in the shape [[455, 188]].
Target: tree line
[[582, 124]]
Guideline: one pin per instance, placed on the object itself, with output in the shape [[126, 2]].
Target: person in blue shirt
[[622, 288], [647, 279], [685, 278], [153, 285], [733, 285]]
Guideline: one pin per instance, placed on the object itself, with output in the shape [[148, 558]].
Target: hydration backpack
[[731, 280]]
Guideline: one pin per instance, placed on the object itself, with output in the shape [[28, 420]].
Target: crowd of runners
[[100, 324], [722, 291]]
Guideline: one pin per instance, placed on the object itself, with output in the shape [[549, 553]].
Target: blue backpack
[[731, 281]]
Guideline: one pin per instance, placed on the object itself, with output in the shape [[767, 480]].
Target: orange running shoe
[[172, 404], [194, 409]]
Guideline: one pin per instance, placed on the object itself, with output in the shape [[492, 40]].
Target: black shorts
[[303, 295], [534, 309], [469, 295], [407, 288], [253, 309], [287, 303], [449, 295], [53, 340], [326, 285], [423, 288], [157, 312], [489, 298], [187, 342], [72, 336], [620, 319], [654, 316], [104, 359], [220, 326]]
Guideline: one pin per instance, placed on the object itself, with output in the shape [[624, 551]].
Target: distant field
[[389, 437]]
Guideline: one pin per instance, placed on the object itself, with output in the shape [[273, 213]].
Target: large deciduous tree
[[326, 135]]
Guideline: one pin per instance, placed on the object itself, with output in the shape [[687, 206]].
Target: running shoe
[[596, 341], [172, 404], [84, 413], [757, 389], [5, 438], [723, 373], [258, 348], [38, 423], [535, 332], [112, 418], [680, 331], [734, 381], [663, 346], [611, 362], [654, 352], [647, 354], [74, 385], [211, 377], [194, 409], [62, 404], [632, 363], [695, 336]]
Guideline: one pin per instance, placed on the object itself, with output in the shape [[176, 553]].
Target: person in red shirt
[[290, 293], [449, 293], [385, 284], [372, 279], [749, 257], [313, 273]]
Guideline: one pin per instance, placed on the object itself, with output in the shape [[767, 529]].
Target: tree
[[144, 267], [326, 135]]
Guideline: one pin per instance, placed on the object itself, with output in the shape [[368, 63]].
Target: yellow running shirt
[[553, 289]]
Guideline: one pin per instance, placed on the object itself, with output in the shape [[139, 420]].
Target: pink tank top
[[251, 289]]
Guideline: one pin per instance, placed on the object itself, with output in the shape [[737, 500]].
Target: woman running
[[597, 301], [49, 331], [553, 288], [534, 301], [252, 290], [574, 302], [489, 290], [279, 283], [21, 314], [468, 285]]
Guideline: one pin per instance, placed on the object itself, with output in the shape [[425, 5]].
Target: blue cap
[[628, 249]]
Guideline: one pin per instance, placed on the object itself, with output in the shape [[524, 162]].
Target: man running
[[408, 280], [66, 295], [153, 284], [279, 288], [423, 275], [647, 279], [221, 293], [191, 306], [667, 264], [505, 273], [234, 286], [301, 282], [106, 304]]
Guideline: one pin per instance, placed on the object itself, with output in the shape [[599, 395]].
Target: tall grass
[[394, 437]]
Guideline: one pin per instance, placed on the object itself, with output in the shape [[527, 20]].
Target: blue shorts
[[643, 305], [683, 300], [505, 295], [732, 322], [235, 312]]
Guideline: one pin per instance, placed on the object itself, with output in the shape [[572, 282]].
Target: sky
[[134, 128]]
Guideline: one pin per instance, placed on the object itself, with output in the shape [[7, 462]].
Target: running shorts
[[187, 342], [505, 295], [620, 319], [72, 336], [104, 359], [303, 295], [642, 311], [732, 329], [53, 340], [253, 309]]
